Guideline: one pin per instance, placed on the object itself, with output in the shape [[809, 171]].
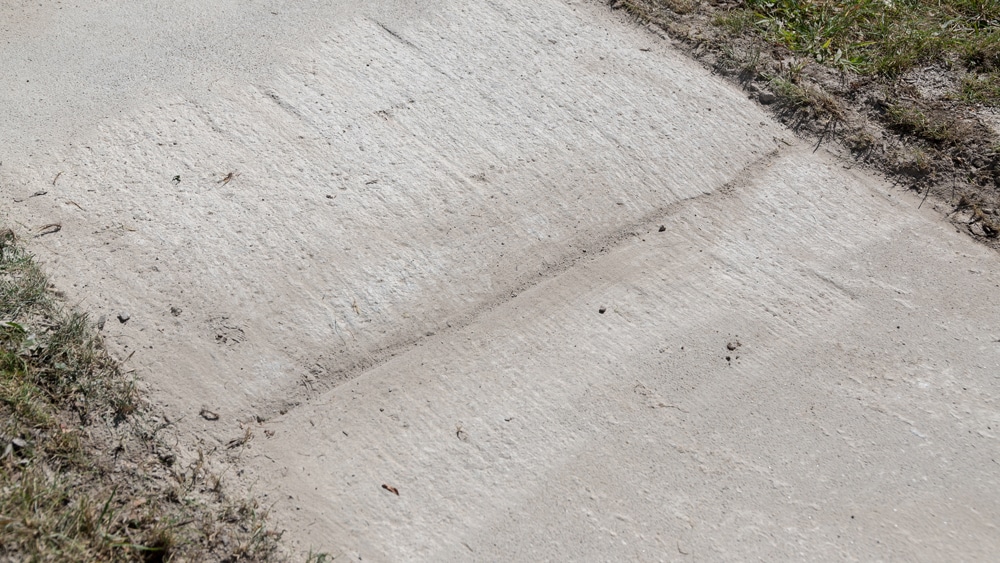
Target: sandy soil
[[566, 293]]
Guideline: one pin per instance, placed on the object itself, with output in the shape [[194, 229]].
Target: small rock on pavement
[[123, 317], [767, 98], [100, 322]]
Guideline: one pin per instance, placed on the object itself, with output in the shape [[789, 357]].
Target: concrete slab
[[768, 381], [386, 185]]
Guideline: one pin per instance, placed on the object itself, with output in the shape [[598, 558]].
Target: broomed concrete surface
[[390, 232]]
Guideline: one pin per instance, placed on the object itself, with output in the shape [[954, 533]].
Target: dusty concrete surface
[[854, 417], [389, 232]]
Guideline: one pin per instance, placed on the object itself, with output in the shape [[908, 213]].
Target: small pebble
[[767, 98], [662, 228], [601, 310], [123, 316], [100, 322]]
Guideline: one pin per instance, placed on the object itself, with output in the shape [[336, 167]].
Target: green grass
[[65, 408], [897, 82], [907, 120], [983, 89], [885, 37], [735, 21]]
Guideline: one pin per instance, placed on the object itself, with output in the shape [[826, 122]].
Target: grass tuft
[[983, 89], [793, 96], [910, 121]]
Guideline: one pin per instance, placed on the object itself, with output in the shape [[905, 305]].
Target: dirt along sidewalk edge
[[922, 128], [88, 470]]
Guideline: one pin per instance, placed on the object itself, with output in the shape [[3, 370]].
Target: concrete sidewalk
[[425, 246]]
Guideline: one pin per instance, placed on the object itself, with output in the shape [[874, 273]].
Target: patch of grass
[[81, 478], [679, 6], [318, 557], [881, 36], [638, 9], [983, 52], [744, 63], [910, 121], [983, 89], [861, 141], [794, 96], [912, 162], [737, 22]]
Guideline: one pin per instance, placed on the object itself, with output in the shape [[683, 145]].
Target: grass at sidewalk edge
[[905, 87], [84, 473]]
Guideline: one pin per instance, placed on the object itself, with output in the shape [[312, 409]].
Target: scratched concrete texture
[[565, 292]]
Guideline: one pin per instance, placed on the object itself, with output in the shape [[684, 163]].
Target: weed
[[318, 557], [751, 65], [744, 63], [861, 141], [792, 96], [736, 22]]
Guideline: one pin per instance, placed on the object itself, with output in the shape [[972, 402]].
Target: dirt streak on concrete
[[766, 382], [424, 243]]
